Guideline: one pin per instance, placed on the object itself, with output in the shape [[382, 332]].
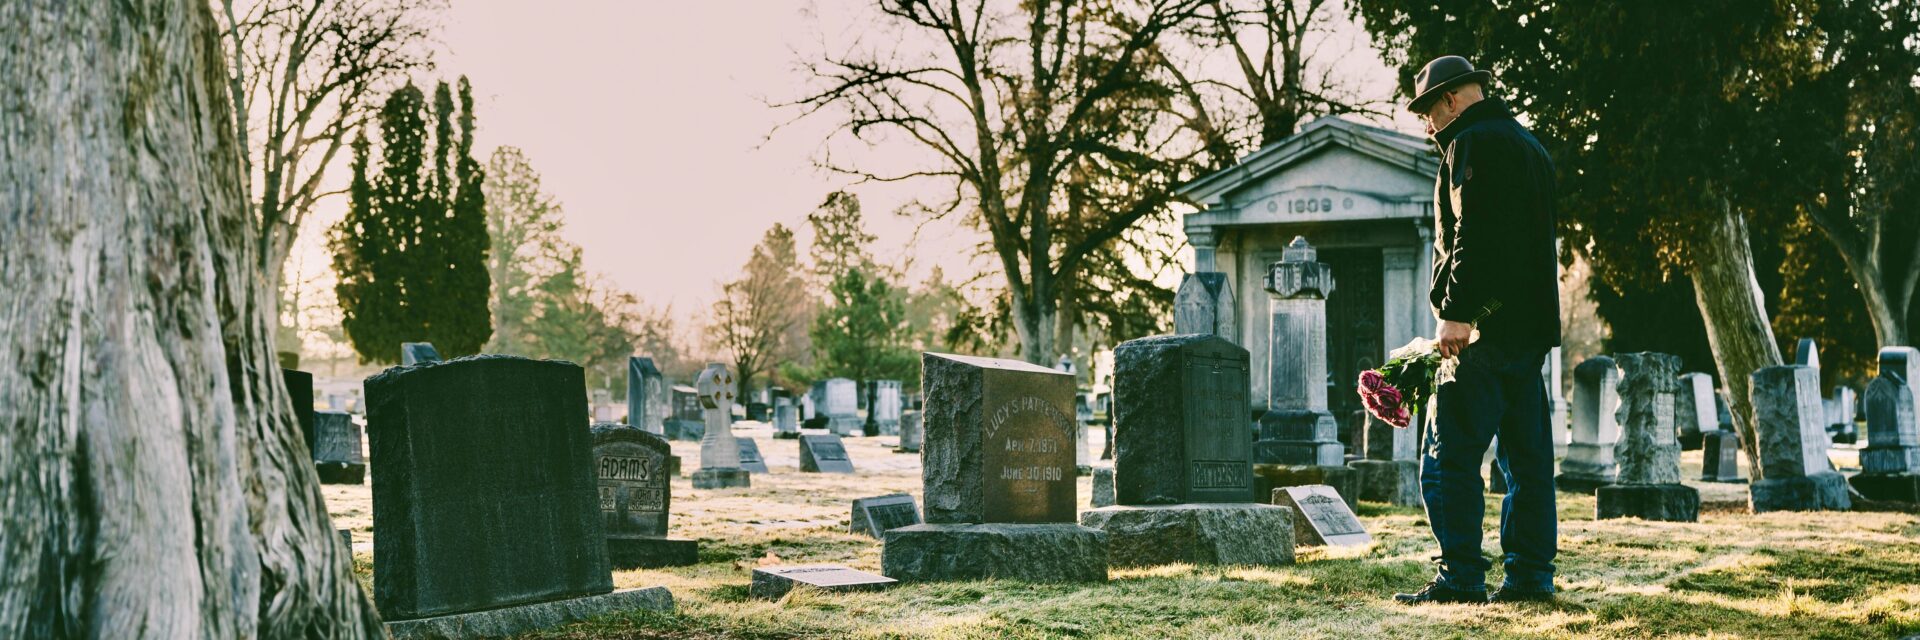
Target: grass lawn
[[1732, 575]]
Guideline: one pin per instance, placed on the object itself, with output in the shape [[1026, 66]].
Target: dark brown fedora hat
[[1445, 72]]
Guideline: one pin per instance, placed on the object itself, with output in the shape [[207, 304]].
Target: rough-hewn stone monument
[[1647, 485], [1795, 474], [998, 475], [1183, 461]]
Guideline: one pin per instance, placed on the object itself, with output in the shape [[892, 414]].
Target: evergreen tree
[[862, 334], [411, 251]]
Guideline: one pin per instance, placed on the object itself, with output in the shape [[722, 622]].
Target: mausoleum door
[[1355, 315]]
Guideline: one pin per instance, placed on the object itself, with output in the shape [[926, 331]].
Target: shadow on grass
[[1827, 576]]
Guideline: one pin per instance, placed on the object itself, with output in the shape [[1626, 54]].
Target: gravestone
[[636, 498], [1694, 410], [412, 353], [1890, 464], [1840, 416], [1795, 473], [484, 497], [1102, 494], [1596, 403], [1321, 517], [689, 420], [1557, 400], [1720, 457], [646, 396], [998, 479], [719, 449], [786, 419], [337, 455], [877, 515], [1806, 353], [300, 393], [838, 400], [911, 432], [1082, 452], [602, 405], [1183, 464], [806, 407], [1647, 485], [773, 583], [885, 413], [824, 453], [750, 458], [1297, 430], [1204, 304]]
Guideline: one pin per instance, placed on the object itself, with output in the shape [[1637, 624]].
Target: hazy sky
[[646, 120]]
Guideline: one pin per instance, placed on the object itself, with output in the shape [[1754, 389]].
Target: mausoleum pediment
[[1334, 169]]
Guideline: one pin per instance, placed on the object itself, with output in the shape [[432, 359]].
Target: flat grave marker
[[772, 583], [1321, 517], [875, 516]]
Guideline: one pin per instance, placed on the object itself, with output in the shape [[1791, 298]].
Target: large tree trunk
[[1034, 328], [1729, 297], [155, 482]]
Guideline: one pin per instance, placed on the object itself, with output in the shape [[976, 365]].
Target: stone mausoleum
[[1361, 195]]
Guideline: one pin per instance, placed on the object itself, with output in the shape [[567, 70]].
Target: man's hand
[[1454, 337]]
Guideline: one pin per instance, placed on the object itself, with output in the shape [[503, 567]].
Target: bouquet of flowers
[[1405, 383]]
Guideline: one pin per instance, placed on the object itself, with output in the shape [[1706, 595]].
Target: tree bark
[[155, 481], [1729, 297]]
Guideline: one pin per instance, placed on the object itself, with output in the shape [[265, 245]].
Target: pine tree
[[411, 251]]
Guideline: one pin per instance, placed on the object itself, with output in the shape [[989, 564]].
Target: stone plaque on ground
[[646, 396], [635, 498], [1182, 433], [1648, 485], [750, 458], [483, 486], [1796, 475], [337, 453], [300, 392], [772, 583], [412, 353], [824, 453], [999, 441], [875, 516], [1320, 517]]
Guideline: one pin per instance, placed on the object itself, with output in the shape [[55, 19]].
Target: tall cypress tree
[[411, 251]]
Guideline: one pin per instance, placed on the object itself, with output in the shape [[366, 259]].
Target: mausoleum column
[[1204, 244]]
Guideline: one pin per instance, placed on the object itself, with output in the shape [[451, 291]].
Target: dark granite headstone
[[750, 459], [636, 487], [337, 456], [412, 353], [300, 392], [999, 441], [1720, 456], [875, 516], [824, 453], [646, 395], [1181, 425], [771, 583], [1321, 516], [688, 421], [483, 486]]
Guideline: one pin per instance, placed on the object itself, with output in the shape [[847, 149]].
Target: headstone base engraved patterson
[[998, 479]]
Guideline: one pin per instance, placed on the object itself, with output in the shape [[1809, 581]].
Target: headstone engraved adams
[[636, 498]]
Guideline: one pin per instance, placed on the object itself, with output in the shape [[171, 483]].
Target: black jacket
[[1494, 226]]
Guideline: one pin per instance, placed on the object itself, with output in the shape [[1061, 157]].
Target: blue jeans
[[1496, 390]]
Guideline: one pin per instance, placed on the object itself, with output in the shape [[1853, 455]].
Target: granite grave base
[[1817, 492], [773, 583], [1267, 477], [1055, 552], [721, 478], [1664, 502], [1892, 487], [651, 553], [516, 620], [1574, 482], [1201, 534], [341, 472], [1395, 482]]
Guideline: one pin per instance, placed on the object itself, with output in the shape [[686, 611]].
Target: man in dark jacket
[[1496, 292]]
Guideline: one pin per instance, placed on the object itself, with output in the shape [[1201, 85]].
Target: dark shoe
[[1438, 593], [1516, 595]]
